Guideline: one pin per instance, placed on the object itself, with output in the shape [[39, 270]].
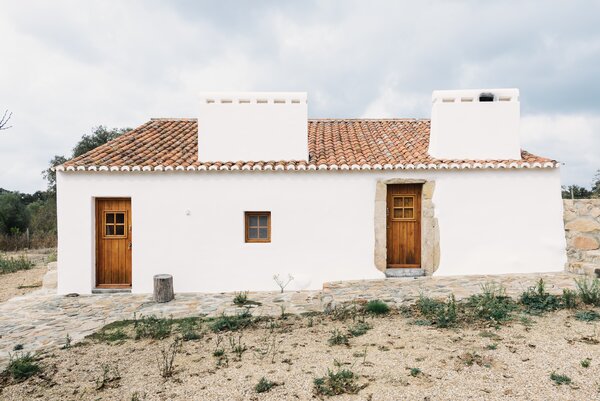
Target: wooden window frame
[[247, 216], [114, 224], [403, 208]]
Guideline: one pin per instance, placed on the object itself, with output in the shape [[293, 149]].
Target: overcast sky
[[66, 66]]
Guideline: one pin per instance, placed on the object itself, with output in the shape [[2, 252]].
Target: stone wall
[[582, 230]]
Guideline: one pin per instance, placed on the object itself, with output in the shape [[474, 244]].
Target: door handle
[[129, 246]]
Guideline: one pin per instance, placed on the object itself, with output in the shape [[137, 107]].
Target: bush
[[188, 327], [442, 314], [341, 382], [152, 327], [231, 323], [492, 304], [337, 338], [359, 329], [22, 366], [569, 299], [264, 385], [11, 265], [240, 298], [537, 300], [560, 379], [589, 291], [587, 316], [377, 307]]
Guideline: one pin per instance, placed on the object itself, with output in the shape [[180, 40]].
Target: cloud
[[68, 66]]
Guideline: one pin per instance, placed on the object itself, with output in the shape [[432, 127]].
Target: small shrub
[[377, 307], [359, 329], [264, 385], [560, 379], [22, 366], [492, 304], [231, 323], [335, 383], [443, 314], [18, 347], [68, 341], [585, 363], [189, 329], [589, 290], [282, 284], [568, 299], [110, 377], [11, 264], [53, 257], [240, 298], [153, 327], [414, 372], [537, 300], [587, 316], [238, 347], [166, 364], [492, 346], [337, 338]]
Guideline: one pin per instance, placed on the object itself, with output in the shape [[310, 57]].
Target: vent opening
[[486, 97]]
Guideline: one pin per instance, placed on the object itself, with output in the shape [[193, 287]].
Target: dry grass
[[396, 359], [24, 281]]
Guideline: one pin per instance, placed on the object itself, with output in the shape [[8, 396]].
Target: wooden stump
[[163, 288]]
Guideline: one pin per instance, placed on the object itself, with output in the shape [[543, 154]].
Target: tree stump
[[163, 288]]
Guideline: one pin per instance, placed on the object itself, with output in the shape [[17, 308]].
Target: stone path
[[41, 320]]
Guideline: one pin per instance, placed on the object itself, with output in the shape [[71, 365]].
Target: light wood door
[[404, 225], [113, 243]]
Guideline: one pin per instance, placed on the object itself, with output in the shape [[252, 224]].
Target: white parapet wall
[[475, 124], [252, 126], [191, 225]]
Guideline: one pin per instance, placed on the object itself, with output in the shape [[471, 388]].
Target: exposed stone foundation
[[582, 231]]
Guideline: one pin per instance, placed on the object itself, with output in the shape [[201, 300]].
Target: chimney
[[253, 126], [475, 124]]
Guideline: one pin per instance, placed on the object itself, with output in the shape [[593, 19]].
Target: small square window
[[257, 226], [114, 224]]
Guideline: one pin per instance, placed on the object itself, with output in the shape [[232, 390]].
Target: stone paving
[[41, 320]]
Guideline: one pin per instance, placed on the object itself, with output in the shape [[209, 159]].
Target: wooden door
[[113, 243], [404, 225]]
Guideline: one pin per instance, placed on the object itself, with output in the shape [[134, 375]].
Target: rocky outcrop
[[582, 230]]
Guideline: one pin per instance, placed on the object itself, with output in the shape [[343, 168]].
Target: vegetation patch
[[560, 379], [588, 290], [22, 366], [241, 299], [537, 300], [377, 307], [231, 323], [11, 264], [152, 327], [264, 385], [337, 338], [343, 381], [441, 313], [492, 304], [587, 316], [359, 329]]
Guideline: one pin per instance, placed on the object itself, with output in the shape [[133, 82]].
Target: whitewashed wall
[[490, 221]]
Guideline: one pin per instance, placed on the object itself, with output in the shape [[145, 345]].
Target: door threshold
[[405, 272], [111, 291]]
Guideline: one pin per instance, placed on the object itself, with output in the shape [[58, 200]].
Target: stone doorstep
[[111, 291], [404, 273]]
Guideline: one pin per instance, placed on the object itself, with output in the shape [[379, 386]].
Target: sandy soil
[[24, 281], [513, 362]]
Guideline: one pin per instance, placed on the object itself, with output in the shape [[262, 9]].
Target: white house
[[252, 188]]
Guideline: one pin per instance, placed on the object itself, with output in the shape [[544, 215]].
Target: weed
[[585, 363], [537, 300], [238, 347], [560, 379], [359, 329], [152, 327], [11, 265], [587, 316], [110, 377], [377, 307], [589, 290], [189, 329], [18, 347], [491, 347], [22, 366], [492, 304], [334, 383], [136, 396], [337, 338], [53, 257], [443, 314], [231, 323], [264, 385], [240, 298], [414, 372], [422, 322], [568, 299], [166, 364], [68, 341]]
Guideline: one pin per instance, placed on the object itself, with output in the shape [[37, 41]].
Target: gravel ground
[[24, 281], [513, 362]]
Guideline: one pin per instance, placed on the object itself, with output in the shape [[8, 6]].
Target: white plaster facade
[[191, 224]]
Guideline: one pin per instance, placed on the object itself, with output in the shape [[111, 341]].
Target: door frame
[[417, 197], [98, 232]]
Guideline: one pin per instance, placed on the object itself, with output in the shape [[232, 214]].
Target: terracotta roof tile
[[332, 144]]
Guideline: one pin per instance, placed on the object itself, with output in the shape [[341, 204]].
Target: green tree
[[99, 136], [575, 192], [596, 185], [50, 175], [13, 215]]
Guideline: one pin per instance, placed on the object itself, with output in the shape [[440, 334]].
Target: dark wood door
[[113, 243], [404, 225]]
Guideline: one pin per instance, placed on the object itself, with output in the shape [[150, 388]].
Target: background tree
[[50, 175], [99, 136], [13, 215], [596, 185], [575, 192]]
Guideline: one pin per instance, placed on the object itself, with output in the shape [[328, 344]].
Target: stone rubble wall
[[582, 231]]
